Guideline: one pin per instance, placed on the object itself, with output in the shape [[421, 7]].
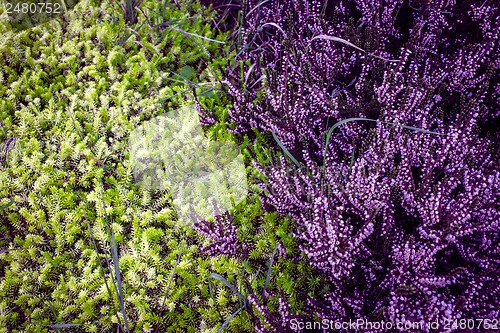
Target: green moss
[[71, 96]]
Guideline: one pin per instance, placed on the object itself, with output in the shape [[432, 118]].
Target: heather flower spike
[[402, 217]]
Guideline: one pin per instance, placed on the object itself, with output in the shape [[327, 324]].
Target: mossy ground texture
[[71, 92]]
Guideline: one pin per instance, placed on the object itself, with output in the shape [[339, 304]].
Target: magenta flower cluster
[[223, 236], [404, 223]]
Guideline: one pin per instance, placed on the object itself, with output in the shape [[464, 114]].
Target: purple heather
[[405, 224]]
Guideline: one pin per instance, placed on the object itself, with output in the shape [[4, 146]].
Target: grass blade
[[54, 313], [101, 268], [352, 162], [8, 250], [329, 134], [274, 25], [341, 40], [6, 147], [210, 289], [242, 298], [336, 39], [413, 128], [195, 35], [163, 100], [229, 319], [269, 270], [168, 287], [123, 40], [118, 277], [287, 153], [254, 8], [58, 326], [221, 279], [7, 205], [247, 74]]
